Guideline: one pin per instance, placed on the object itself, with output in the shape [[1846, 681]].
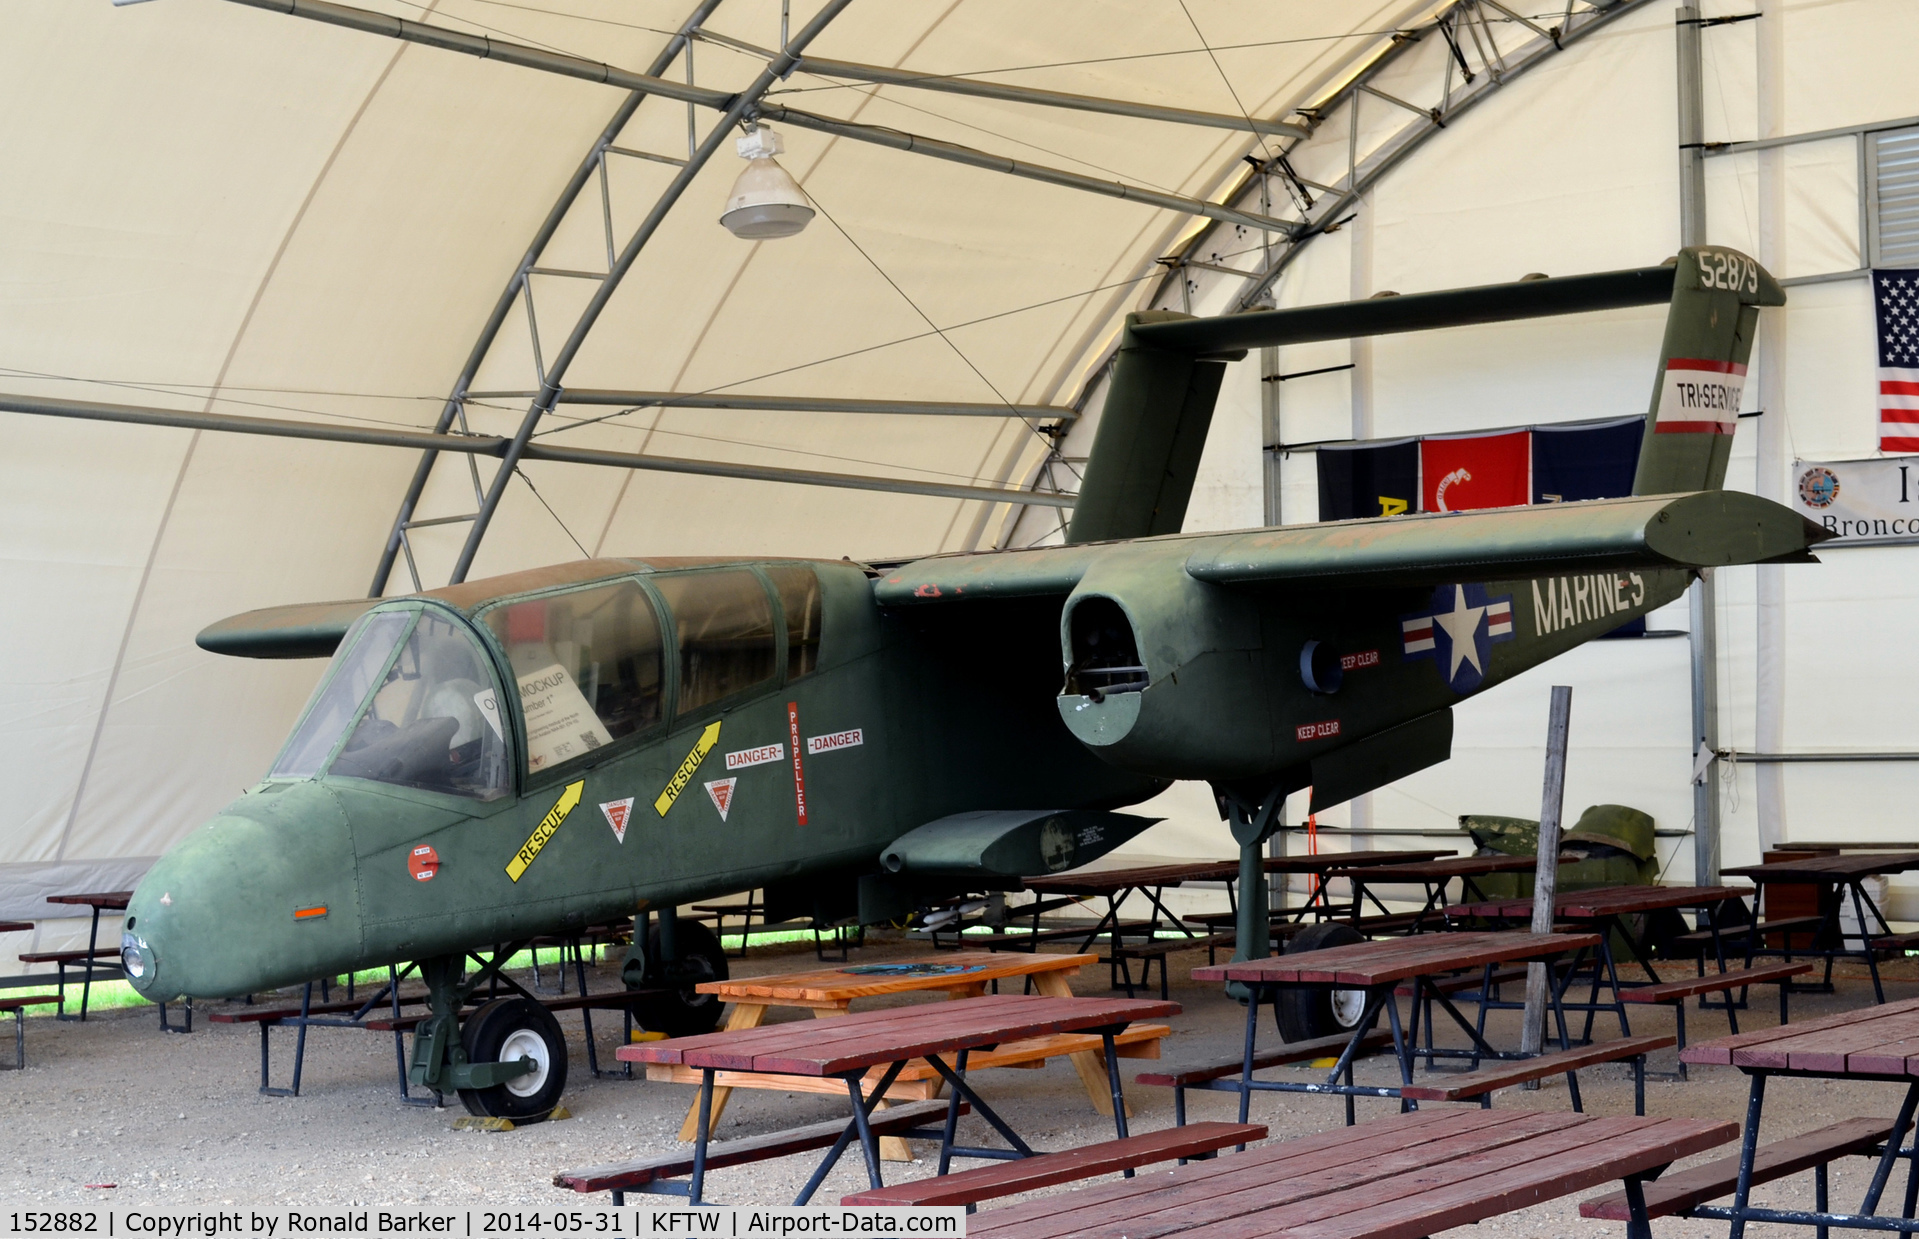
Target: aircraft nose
[[250, 901]]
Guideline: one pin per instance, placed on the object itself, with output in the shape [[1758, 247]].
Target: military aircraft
[[521, 756]]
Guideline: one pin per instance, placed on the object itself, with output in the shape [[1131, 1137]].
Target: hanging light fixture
[[766, 201]]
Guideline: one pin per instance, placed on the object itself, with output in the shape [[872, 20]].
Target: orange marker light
[[309, 914]]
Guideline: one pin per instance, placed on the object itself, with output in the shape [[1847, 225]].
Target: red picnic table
[[98, 901], [1837, 876], [1875, 1043], [1374, 970], [882, 1043], [1408, 1175]]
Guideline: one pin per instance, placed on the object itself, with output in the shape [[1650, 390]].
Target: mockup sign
[[1862, 501]]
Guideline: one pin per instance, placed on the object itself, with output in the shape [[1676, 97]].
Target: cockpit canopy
[[413, 698]]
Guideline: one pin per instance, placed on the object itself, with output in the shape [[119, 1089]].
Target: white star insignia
[[1461, 623]]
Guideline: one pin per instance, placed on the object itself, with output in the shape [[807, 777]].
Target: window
[[725, 624], [356, 664], [799, 590], [589, 666], [1895, 184], [435, 722]]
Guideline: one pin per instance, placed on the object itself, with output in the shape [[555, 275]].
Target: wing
[[302, 630], [1708, 529]]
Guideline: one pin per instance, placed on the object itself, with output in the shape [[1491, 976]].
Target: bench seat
[[1509, 1072], [1295, 1052], [1466, 981], [1009, 1178], [17, 1001], [70, 957], [1676, 1193], [1735, 933], [620, 1177], [1712, 982]]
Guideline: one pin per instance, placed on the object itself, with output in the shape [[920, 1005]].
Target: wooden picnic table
[[15, 927], [1116, 886], [98, 901], [1433, 875], [1377, 968], [1394, 1178], [853, 1045], [832, 992], [1875, 1043], [1837, 875]]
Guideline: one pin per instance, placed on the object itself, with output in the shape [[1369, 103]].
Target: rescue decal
[[837, 740], [756, 757], [799, 775], [1353, 662], [309, 914], [684, 775], [423, 862], [618, 813], [530, 850], [721, 790], [1457, 631], [1316, 731], [1571, 600], [1697, 396]]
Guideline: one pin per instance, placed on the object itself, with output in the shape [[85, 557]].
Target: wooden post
[[1546, 872]]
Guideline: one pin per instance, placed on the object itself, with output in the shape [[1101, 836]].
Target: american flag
[[1896, 305]]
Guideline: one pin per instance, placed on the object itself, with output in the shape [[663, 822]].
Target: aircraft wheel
[[507, 1029], [685, 1012], [1309, 1012]]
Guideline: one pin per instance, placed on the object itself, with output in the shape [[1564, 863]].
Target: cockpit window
[[356, 665], [590, 666], [725, 626], [435, 723], [799, 589]]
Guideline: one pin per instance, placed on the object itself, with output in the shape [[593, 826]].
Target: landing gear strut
[[510, 1059]]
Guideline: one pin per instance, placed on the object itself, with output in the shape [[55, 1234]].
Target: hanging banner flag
[[1862, 501], [1368, 479], [1895, 304], [1461, 473], [1586, 460]]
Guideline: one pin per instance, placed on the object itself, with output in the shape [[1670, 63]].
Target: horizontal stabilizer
[[301, 630], [1377, 316], [1707, 529]]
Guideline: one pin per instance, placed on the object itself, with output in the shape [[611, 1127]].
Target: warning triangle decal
[[721, 790], [617, 812]]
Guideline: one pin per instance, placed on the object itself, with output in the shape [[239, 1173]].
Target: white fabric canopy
[[214, 207]]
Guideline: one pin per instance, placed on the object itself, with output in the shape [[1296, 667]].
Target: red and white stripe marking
[[1418, 634], [1697, 396], [1499, 619], [1898, 410]]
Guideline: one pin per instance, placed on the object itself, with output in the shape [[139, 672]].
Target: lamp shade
[[766, 202]]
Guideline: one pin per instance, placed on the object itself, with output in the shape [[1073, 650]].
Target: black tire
[[1306, 1013], [508, 1029], [683, 1012]]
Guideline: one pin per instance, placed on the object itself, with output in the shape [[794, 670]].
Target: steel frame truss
[[1469, 51]]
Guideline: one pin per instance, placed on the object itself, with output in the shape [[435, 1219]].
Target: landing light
[[766, 201]]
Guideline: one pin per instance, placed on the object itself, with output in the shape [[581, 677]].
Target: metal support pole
[[1546, 870], [1705, 730], [1704, 611]]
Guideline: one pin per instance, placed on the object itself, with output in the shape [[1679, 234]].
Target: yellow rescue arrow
[[684, 775], [568, 801]]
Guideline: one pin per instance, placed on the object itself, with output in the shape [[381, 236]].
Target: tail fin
[[1716, 295], [1159, 405]]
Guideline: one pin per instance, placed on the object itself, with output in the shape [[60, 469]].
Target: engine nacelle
[[1168, 676]]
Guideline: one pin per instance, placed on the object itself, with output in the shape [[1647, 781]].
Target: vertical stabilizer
[[1716, 295], [1145, 454]]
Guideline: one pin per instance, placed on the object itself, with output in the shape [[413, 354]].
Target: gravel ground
[[175, 1121]]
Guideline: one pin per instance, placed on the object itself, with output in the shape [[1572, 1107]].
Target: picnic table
[[1408, 1175], [1837, 874], [854, 1045], [1875, 1043], [1423, 965], [1602, 912], [1433, 875], [89, 966], [832, 992]]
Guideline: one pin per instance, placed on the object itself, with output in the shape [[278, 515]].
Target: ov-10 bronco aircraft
[[521, 756]]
